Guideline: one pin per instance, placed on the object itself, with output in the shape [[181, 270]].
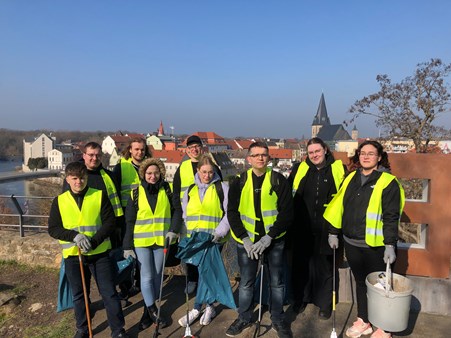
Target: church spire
[[161, 130], [321, 118]]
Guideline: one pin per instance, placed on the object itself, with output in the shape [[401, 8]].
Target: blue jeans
[[99, 266], [273, 269], [150, 261]]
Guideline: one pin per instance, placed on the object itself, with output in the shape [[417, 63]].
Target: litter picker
[[85, 293], [257, 328], [188, 333], [333, 333], [165, 252]]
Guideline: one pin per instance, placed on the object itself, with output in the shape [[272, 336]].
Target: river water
[[10, 188]]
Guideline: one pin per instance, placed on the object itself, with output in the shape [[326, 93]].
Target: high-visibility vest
[[129, 179], [203, 215], [338, 174], [151, 227], [268, 205], [374, 235], [186, 177], [86, 221], [112, 193]]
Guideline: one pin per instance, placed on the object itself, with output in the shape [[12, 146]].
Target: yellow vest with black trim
[[151, 227], [186, 177], [338, 173], [374, 235], [112, 194], [268, 205], [203, 215], [86, 221], [129, 179]]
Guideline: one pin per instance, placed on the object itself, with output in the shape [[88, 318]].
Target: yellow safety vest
[[206, 215], [374, 235], [268, 205], [151, 227], [112, 193], [338, 174], [129, 179], [86, 221], [186, 177]]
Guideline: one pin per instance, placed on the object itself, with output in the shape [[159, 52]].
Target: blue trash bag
[[214, 284], [65, 300]]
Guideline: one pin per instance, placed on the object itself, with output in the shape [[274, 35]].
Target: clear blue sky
[[236, 67]]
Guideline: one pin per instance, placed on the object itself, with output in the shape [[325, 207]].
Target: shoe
[[283, 330], [153, 313], [122, 334], [359, 328], [145, 321], [379, 333], [80, 334], [208, 315], [299, 307], [324, 314], [237, 327], [192, 316], [191, 287]]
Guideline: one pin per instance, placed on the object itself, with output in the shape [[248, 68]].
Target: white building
[[36, 147], [58, 159]]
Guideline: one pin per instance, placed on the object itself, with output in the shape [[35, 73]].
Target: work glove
[[216, 238], [83, 242], [247, 243], [129, 253], [333, 241], [389, 254], [171, 236], [258, 248]]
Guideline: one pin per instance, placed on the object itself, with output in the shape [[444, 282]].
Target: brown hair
[[126, 151], [92, 145], [206, 159], [151, 161], [77, 169], [354, 161]]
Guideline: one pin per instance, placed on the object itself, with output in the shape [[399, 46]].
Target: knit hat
[[193, 139]]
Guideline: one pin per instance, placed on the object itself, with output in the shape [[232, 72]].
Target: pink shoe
[[359, 328], [380, 334]]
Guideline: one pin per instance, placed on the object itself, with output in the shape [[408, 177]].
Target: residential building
[[36, 147], [59, 158], [171, 160]]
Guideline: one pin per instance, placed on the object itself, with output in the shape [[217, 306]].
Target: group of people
[[322, 207]]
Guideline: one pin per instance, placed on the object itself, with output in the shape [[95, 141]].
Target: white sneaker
[[192, 316], [208, 315]]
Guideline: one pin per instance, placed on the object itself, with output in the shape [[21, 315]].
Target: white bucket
[[389, 310]]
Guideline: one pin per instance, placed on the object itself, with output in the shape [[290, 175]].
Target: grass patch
[[60, 330]]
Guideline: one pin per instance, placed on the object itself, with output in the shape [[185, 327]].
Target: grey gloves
[[247, 243], [216, 238], [129, 253], [333, 241], [83, 242], [171, 236], [258, 248], [389, 254]]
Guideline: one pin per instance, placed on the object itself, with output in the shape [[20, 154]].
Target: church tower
[[321, 118], [161, 130], [354, 133]]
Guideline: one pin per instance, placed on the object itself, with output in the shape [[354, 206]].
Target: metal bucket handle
[[387, 279]]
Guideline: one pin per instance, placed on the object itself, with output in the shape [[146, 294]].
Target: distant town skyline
[[239, 68]]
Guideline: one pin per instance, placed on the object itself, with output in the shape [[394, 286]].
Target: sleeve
[[108, 222], [284, 206], [56, 228], [233, 215], [293, 174], [177, 220], [117, 174], [391, 201], [130, 220], [223, 227]]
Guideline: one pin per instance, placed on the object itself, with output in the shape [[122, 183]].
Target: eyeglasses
[[368, 154], [94, 155], [194, 146], [259, 155]]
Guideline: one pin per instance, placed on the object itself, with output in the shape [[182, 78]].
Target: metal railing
[[22, 215]]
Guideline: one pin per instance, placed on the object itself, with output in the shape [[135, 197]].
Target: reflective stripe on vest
[[268, 206], [374, 235], [206, 215], [186, 177], [112, 193], [86, 221], [151, 227], [129, 180], [338, 174]]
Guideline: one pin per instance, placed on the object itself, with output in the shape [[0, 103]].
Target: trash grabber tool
[[165, 252], [257, 328], [333, 334], [188, 333], [85, 293]]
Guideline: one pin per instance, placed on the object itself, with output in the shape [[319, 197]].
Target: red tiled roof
[[168, 156], [244, 144], [281, 153]]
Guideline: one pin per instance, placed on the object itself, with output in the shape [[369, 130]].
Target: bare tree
[[409, 108]]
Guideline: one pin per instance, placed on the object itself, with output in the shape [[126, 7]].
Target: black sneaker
[[80, 334], [283, 330], [237, 327], [299, 307]]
